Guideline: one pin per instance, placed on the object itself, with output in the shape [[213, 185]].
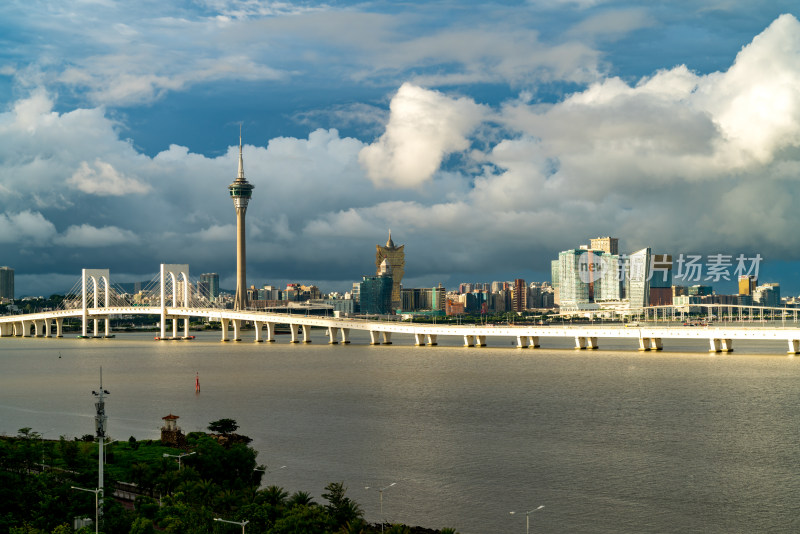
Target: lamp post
[[528, 518], [381, 490], [232, 522], [178, 456], [96, 505]]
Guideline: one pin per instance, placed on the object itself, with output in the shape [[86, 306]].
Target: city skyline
[[488, 137]]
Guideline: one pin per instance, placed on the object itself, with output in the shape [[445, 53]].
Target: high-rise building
[[396, 257], [6, 283], [747, 283], [767, 295], [637, 279], [376, 292], [240, 191], [609, 245], [519, 295], [661, 280], [209, 285]]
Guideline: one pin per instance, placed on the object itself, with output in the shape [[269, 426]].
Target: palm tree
[[300, 498]]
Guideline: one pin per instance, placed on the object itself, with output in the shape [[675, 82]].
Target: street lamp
[[179, 456], [528, 518], [380, 490], [232, 522], [96, 506]]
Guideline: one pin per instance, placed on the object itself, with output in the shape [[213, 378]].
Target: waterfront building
[[609, 245], [6, 283], [700, 290], [767, 295], [396, 257], [747, 283], [637, 279], [661, 280], [426, 298], [240, 191], [519, 295], [376, 291], [209, 285]]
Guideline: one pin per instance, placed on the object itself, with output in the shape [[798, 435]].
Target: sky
[[486, 136]]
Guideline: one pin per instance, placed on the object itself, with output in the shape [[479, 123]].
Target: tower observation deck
[[240, 190]]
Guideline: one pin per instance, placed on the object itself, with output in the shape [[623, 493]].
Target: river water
[[613, 440]]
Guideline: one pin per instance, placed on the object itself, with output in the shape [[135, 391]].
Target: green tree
[[341, 509], [142, 525], [223, 426]]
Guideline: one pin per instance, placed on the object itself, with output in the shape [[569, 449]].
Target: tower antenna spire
[[241, 161]]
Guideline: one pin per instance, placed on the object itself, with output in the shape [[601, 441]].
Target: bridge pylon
[[94, 276], [176, 273]]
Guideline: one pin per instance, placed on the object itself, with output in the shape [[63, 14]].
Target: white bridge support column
[[345, 335], [38, 328], [59, 327], [726, 345], [333, 334], [794, 346], [580, 343], [306, 333], [469, 341], [433, 340], [419, 339], [480, 341], [522, 342], [224, 329], [591, 343], [374, 337], [186, 327], [257, 326], [293, 331], [387, 338], [715, 345], [645, 343], [7, 329], [26, 328], [270, 332], [237, 328], [534, 342], [655, 343]]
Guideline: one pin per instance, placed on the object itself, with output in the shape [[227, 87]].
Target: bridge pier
[[480, 341], [419, 339], [794, 346], [237, 327], [387, 338], [26, 328], [38, 328], [374, 337], [534, 342], [224, 329], [59, 327], [345, 335], [645, 343], [469, 341], [715, 345], [727, 345], [655, 343], [333, 333], [270, 332], [591, 343], [580, 343], [47, 328], [257, 326], [433, 340], [522, 342], [306, 333]]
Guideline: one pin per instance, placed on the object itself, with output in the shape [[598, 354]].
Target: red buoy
[[197, 382]]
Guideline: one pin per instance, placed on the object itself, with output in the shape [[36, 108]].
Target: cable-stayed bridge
[[174, 299]]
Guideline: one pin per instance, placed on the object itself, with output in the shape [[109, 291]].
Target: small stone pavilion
[[171, 433]]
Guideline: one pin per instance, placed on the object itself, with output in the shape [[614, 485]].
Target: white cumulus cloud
[[424, 127], [102, 179]]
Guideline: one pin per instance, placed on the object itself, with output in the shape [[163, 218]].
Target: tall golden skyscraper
[[396, 257], [240, 190]]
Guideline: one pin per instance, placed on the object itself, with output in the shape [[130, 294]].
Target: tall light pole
[[100, 425], [96, 505], [528, 518], [232, 522], [179, 456], [381, 490]]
